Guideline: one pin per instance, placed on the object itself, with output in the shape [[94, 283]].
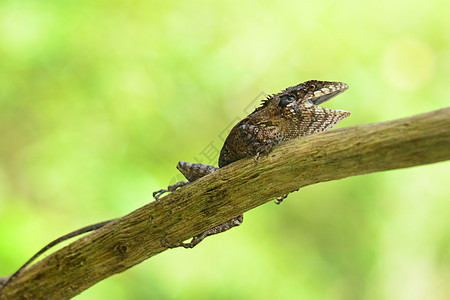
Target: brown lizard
[[292, 113]]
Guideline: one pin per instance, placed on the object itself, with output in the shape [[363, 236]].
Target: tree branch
[[239, 187]]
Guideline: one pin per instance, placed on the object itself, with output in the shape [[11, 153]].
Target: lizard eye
[[312, 87], [285, 100]]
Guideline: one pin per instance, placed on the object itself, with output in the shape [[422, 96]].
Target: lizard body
[[289, 114], [292, 113]]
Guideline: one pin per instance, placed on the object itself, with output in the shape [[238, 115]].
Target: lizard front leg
[[248, 140], [259, 140]]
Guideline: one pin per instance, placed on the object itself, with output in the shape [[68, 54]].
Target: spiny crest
[[264, 102], [314, 92]]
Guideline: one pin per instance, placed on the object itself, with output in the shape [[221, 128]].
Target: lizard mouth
[[326, 93]]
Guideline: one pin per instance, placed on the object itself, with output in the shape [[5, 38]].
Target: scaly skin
[[290, 114]]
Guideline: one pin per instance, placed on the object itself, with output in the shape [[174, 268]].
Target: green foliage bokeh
[[100, 99]]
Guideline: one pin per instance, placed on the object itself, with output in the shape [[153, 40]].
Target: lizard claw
[[255, 158], [159, 193], [165, 243], [279, 200], [262, 150], [171, 188]]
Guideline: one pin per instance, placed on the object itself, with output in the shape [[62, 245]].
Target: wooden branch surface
[[239, 187]]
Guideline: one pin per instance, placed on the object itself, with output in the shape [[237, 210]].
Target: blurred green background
[[100, 99]]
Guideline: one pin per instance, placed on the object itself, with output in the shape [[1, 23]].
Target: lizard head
[[313, 92], [297, 110], [319, 91]]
